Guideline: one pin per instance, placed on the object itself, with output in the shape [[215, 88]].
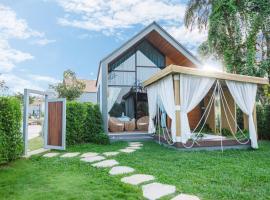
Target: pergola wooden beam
[[174, 69]]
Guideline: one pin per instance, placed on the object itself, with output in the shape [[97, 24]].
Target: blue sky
[[39, 39]]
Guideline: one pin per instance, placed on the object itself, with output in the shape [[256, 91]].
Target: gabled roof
[[151, 30], [90, 85]]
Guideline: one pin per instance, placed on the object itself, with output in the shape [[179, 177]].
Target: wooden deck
[[206, 144]]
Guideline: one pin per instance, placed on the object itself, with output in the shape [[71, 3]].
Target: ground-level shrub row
[[84, 124], [263, 121], [11, 143]]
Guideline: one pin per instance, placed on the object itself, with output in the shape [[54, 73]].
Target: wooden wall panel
[[194, 117], [224, 108], [211, 118], [55, 110]]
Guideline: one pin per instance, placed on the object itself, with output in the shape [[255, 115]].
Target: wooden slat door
[[55, 133]]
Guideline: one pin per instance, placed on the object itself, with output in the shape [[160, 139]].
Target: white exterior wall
[[88, 97], [99, 87]]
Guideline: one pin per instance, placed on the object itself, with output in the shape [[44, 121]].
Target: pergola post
[[245, 117], [255, 119], [176, 83]]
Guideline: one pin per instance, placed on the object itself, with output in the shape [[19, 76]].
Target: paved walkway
[[151, 188]]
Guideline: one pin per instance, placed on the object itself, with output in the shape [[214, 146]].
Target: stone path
[[185, 197], [127, 150], [137, 179], [106, 163], [111, 153], [50, 155], [151, 190], [89, 154], [70, 155], [93, 159], [121, 170]]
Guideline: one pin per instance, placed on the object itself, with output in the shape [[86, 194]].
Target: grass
[[233, 174], [35, 143]]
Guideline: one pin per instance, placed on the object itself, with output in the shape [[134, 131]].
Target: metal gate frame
[[46, 146], [25, 119], [25, 114]]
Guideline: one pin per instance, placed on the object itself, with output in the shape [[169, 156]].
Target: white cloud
[[47, 79], [109, 16], [32, 81], [9, 57], [12, 27], [43, 41], [114, 16]]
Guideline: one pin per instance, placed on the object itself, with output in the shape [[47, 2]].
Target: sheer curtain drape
[[152, 106], [166, 94], [244, 95], [162, 91], [192, 90], [113, 93]]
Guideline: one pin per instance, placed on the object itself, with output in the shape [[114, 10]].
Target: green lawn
[[35, 143], [233, 174]]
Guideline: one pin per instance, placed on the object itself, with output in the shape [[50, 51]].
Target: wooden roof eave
[[174, 69]]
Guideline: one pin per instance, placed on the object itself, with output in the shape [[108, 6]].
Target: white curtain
[[113, 93], [192, 90], [244, 95], [152, 106], [166, 94]]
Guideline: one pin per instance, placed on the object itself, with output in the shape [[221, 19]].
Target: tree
[[71, 88], [238, 33], [3, 86]]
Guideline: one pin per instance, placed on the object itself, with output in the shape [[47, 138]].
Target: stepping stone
[[157, 190], [105, 163], [35, 152], [70, 155], [185, 197], [93, 159], [134, 143], [136, 148], [89, 154], [50, 155], [121, 170], [127, 150], [112, 153], [137, 179]]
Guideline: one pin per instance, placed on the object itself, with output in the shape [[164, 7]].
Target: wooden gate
[[55, 130]]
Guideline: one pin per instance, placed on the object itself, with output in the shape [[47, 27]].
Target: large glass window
[[126, 97]]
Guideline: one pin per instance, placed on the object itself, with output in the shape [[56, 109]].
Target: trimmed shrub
[[75, 116], [84, 124], [267, 122], [260, 120], [11, 143]]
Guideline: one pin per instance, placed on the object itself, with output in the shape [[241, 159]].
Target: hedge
[[263, 121], [84, 124], [11, 143]]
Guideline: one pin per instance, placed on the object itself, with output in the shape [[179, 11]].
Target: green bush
[[75, 116], [267, 122], [11, 143], [226, 132], [260, 120], [84, 124]]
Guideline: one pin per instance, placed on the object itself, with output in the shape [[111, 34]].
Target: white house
[[90, 92]]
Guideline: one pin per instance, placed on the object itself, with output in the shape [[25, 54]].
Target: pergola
[[189, 86]]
